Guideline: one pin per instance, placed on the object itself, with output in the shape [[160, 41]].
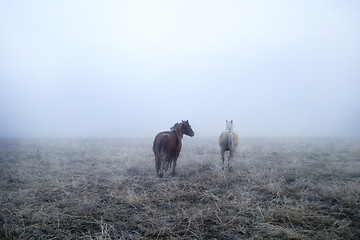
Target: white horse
[[228, 141]]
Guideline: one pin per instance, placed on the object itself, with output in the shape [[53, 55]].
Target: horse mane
[[175, 126]]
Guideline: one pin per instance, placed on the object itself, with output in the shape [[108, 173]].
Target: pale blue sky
[[133, 68]]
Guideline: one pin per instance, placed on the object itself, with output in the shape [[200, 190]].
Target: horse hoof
[[160, 175]]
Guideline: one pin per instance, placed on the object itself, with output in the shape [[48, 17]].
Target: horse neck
[[179, 132]]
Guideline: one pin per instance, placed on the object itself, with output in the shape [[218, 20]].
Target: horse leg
[[223, 157], [174, 166], [168, 165], [157, 163], [231, 156], [164, 165]]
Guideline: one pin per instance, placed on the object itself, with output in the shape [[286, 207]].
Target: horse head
[[229, 125], [185, 128]]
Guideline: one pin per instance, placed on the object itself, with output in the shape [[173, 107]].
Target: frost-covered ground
[[107, 189]]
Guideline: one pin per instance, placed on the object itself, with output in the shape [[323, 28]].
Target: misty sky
[[134, 68]]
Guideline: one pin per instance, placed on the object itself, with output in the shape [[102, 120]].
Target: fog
[[134, 68]]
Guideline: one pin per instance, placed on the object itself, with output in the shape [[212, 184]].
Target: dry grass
[[107, 189]]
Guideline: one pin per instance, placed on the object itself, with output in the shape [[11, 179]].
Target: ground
[[107, 189]]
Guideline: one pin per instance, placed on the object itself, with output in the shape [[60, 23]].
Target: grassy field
[[107, 189]]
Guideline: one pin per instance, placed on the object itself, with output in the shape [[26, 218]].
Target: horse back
[[168, 142]]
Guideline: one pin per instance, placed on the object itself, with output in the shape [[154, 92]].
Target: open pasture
[[108, 189]]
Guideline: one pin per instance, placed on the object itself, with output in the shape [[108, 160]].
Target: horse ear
[[231, 121], [187, 121]]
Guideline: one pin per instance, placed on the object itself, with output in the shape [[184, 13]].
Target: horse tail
[[230, 140], [154, 146]]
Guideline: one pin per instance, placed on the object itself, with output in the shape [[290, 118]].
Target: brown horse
[[228, 141], [167, 146]]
